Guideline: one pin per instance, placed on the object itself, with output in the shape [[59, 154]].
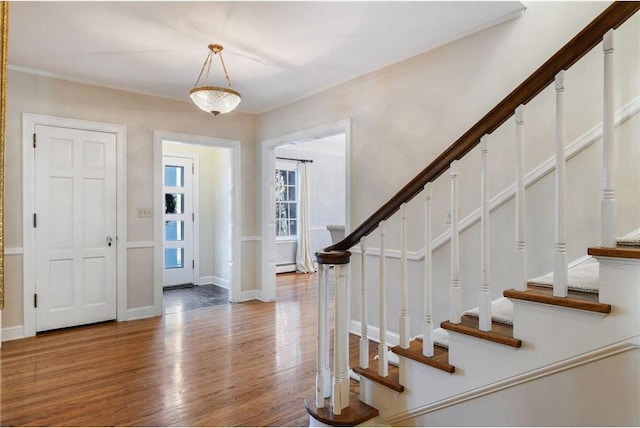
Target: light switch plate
[[145, 212]]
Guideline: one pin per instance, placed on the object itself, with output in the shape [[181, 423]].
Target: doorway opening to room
[[320, 190], [306, 189], [196, 199]]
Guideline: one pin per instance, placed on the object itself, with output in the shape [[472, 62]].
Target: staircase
[[556, 349]]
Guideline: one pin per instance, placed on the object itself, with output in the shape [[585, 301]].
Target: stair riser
[[619, 278], [551, 333]]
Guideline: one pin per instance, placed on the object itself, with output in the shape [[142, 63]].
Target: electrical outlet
[[145, 213]]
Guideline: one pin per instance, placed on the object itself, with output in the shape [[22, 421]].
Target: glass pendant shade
[[214, 99]]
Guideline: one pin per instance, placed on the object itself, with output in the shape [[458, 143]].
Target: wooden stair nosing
[[357, 413], [440, 359], [391, 381], [574, 300], [499, 333], [625, 252]]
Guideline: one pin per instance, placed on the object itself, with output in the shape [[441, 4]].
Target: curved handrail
[[612, 17]]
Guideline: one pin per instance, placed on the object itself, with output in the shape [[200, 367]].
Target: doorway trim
[[158, 204], [268, 164], [29, 122]]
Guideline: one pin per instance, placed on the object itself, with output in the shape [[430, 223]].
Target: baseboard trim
[[250, 295], [140, 313], [290, 267], [212, 279], [220, 282], [570, 363], [13, 333]]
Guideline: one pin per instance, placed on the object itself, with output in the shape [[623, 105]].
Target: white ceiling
[[275, 52]]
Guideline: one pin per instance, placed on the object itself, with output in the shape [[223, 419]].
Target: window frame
[[282, 166]]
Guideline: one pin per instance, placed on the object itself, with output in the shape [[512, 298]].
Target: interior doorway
[[180, 180], [197, 193], [269, 148], [323, 192]]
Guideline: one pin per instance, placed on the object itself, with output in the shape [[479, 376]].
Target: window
[[286, 203]]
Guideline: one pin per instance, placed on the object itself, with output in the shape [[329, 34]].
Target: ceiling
[[275, 52]]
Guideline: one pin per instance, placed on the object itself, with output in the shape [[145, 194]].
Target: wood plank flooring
[[244, 364]]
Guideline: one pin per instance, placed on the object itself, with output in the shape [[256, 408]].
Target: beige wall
[[142, 115], [403, 116]]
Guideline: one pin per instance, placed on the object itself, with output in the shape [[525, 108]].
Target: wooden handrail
[[614, 16]]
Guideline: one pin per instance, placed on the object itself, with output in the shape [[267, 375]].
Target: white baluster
[[485, 288], [326, 367], [560, 264], [454, 290], [427, 325], [322, 316], [520, 253], [608, 204], [364, 330], [340, 378], [383, 369], [341, 284], [404, 311]]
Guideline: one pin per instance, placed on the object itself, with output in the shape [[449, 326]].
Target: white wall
[[602, 393], [403, 116]]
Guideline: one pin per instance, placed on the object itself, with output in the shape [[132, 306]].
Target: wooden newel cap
[[333, 257]]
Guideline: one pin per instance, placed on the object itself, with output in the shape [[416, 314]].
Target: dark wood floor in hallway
[[245, 364]]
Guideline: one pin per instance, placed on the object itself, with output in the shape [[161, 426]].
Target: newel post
[[340, 379]]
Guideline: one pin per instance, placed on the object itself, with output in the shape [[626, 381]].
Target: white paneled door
[[177, 241], [75, 227]]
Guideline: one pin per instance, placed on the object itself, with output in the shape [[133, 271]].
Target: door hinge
[[35, 220], [34, 140], [35, 300], [193, 216], [193, 169], [193, 264]]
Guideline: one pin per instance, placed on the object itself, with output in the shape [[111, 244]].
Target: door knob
[[109, 240]]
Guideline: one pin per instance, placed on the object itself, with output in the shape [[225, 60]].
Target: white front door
[[75, 227], [177, 240]]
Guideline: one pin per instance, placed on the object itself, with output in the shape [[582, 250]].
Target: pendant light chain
[[225, 70], [206, 61]]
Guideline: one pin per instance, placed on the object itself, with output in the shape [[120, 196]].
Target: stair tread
[[391, 381], [574, 299], [357, 412], [499, 333], [440, 359], [618, 252]]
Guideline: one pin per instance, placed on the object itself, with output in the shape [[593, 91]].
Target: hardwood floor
[[245, 364]]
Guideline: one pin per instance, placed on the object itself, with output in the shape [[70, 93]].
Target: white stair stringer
[[550, 336]]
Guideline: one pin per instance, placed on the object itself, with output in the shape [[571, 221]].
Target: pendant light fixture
[[214, 99]]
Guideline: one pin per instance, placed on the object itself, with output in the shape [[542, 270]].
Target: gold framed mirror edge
[[4, 29]]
